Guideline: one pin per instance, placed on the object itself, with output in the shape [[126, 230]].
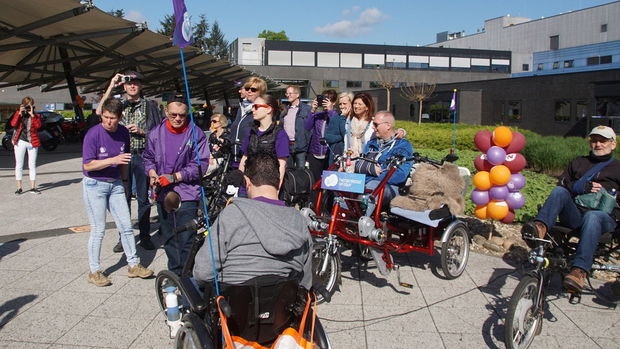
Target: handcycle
[[257, 310], [384, 232], [215, 183], [549, 256]]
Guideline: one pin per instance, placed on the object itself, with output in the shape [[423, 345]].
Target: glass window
[[525, 67], [301, 58], [592, 60], [539, 67], [330, 83], [374, 60], [569, 63], [354, 84], [554, 42], [605, 59], [375, 84], [328, 59], [562, 111], [279, 57], [556, 65], [513, 111], [582, 109], [351, 60], [603, 28]]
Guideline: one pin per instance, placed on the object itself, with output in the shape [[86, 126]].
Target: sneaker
[[118, 248], [575, 280], [19, 191], [532, 230], [138, 271], [35, 191], [98, 279], [146, 243]]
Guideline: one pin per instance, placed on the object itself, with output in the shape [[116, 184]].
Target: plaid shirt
[[135, 113]]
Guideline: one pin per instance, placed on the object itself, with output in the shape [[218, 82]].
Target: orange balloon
[[502, 136], [497, 209], [499, 175], [481, 212], [482, 180]]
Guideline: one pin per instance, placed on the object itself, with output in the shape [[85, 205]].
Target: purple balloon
[[515, 200], [516, 182], [498, 192], [480, 197], [496, 155]]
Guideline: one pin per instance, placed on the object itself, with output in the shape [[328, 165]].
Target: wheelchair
[[258, 310]]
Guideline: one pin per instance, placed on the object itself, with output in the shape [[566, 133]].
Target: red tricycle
[[383, 232]]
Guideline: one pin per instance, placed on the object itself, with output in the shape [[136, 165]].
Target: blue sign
[[343, 181]]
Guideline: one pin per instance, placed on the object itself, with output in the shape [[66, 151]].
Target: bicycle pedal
[[402, 284]]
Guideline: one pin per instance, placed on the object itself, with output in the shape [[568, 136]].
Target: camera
[[320, 99], [28, 108], [124, 78]]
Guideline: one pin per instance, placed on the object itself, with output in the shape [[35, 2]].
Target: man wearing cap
[[170, 159], [139, 116], [560, 203]]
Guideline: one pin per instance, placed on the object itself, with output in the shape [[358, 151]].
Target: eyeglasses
[[252, 89], [376, 124], [601, 140], [176, 115], [260, 105], [215, 121]]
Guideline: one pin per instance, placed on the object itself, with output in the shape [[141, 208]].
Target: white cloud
[[362, 24], [136, 16]]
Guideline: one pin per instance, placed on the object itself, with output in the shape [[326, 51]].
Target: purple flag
[[453, 102], [183, 27]]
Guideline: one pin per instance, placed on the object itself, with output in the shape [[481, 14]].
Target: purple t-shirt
[[282, 142], [100, 144], [270, 201], [174, 145]]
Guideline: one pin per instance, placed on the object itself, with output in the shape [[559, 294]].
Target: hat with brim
[[604, 131]]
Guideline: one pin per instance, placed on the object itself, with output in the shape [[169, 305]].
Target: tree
[[210, 41], [388, 79], [117, 13], [217, 45], [418, 92], [167, 25], [271, 35]]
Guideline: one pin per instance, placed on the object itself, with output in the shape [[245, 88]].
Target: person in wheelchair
[[258, 235], [592, 223], [382, 148]]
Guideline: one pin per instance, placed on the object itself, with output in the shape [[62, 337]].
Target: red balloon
[[509, 218], [515, 162], [517, 144], [483, 140], [481, 163]]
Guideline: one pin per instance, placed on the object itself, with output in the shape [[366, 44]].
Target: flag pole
[[453, 109]]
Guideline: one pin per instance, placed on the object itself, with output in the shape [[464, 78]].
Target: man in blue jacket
[[382, 148], [293, 123], [170, 162]]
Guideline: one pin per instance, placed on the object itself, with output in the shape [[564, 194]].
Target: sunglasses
[[260, 105], [252, 89], [215, 121], [376, 124], [176, 115]]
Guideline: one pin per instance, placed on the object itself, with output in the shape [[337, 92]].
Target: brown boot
[[575, 280]]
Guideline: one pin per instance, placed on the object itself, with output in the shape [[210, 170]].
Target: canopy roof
[[53, 44]]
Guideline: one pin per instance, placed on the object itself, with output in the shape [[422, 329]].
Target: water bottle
[[173, 314]]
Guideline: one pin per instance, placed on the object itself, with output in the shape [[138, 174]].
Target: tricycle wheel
[[331, 276], [455, 250], [524, 317], [164, 279]]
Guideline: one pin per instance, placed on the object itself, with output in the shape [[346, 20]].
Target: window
[[354, 84], [592, 60], [525, 67], [581, 109], [603, 28], [569, 63], [554, 42], [375, 84], [562, 111], [605, 59], [330, 83], [556, 65], [540, 66], [514, 111]]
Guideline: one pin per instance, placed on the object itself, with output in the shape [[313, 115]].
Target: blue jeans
[[388, 194], [296, 160], [592, 224], [99, 197], [179, 245], [137, 173]]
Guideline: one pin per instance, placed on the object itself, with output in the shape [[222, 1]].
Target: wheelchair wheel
[[164, 279], [454, 250], [524, 317], [330, 278], [192, 334]]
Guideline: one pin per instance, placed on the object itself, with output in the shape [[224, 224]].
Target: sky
[[389, 22]]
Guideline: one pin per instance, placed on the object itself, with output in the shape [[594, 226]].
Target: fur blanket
[[433, 187]]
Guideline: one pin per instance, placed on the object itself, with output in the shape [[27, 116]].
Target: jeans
[[592, 223], [388, 194], [20, 152], [177, 246], [296, 160], [137, 173], [100, 196]]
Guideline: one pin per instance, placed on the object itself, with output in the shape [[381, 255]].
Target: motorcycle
[[50, 134], [382, 233]]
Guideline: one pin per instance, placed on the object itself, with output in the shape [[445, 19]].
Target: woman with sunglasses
[[219, 132], [266, 135], [240, 128]]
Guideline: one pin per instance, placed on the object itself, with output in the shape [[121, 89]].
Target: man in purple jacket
[[171, 163]]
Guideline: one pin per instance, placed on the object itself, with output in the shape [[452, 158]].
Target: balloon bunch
[[498, 181]]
